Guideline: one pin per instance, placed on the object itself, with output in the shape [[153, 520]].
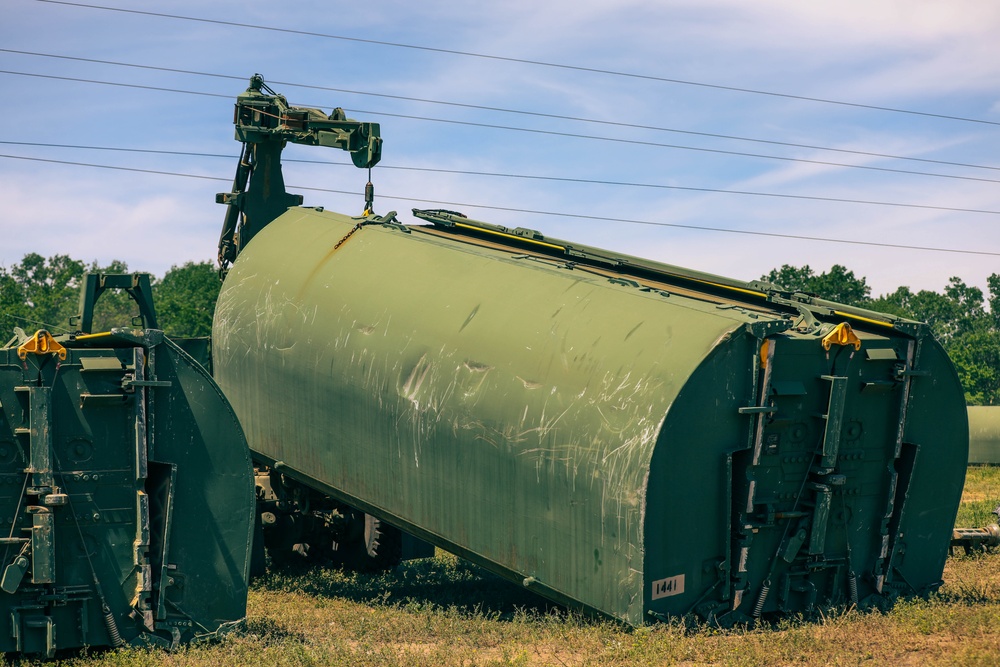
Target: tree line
[[963, 319], [40, 293]]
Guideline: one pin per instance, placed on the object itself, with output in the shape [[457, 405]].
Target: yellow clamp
[[842, 334], [41, 343]]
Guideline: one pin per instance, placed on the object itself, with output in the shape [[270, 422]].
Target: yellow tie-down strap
[[41, 343], [842, 334]]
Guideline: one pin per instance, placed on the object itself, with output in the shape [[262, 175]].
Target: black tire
[[372, 546]]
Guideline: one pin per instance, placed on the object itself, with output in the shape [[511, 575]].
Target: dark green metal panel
[[137, 285], [126, 495], [931, 466], [608, 440], [805, 524]]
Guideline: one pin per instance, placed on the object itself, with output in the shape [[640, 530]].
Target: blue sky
[[922, 56]]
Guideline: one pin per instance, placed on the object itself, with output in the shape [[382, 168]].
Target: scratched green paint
[[563, 430]]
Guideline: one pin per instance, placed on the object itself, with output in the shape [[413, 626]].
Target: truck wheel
[[373, 546]]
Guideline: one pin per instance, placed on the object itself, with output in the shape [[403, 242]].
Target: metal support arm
[[265, 123]]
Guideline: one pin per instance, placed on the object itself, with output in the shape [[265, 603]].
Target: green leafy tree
[[959, 320], [959, 310], [993, 283], [895, 303], [977, 358], [39, 293], [792, 278], [14, 309], [838, 284], [49, 288], [185, 299], [957, 316], [975, 343]]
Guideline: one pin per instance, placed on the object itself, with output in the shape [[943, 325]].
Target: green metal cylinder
[[636, 450], [984, 434]]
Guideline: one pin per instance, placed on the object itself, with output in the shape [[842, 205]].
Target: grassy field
[[444, 612]]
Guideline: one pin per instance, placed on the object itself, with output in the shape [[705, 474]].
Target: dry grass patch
[[980, 497], [443, 612]]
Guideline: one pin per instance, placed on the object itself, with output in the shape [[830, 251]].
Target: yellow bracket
[[841, 335], [41, 343]]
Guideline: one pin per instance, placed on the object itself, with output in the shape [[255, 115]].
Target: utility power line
[[466, 172], [522, 112], [524, 61], [570, 135], [541, 212]]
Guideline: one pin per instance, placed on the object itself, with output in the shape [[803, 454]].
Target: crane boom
[[265, 123]]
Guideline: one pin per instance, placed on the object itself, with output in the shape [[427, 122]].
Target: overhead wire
[[571, 135], [560, 179], [559, 214], [522, 112], [467, 172], [526, 61], [116, 84], [538, 114]]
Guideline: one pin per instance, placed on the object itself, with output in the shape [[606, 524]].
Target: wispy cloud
[[915, 55]]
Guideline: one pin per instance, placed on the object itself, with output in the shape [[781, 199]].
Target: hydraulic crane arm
[[264, 124]]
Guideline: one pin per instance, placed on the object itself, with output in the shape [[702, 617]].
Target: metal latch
[[14, 573], [758, 409], [41, 343], [129, 383], [842, 334], [902, 372]]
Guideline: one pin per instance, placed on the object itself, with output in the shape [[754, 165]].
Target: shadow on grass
[[445, 582], [972, 578], [268, 630]]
